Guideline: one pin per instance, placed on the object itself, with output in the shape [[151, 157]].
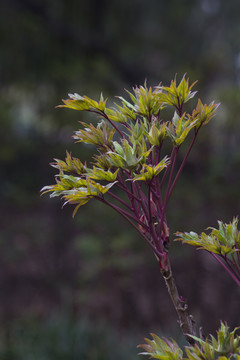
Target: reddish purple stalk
[[228, 268]]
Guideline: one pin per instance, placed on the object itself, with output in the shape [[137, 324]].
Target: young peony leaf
[[75, 190], [179, 128], [102, 161], [71, 164], [130, 154], [97, 189], [222, 241], [77, 102], [204, 113], [101, 135], [205, 351], [64, 183], [227, 235], [157, 133], [127, 112], [70, 181], [115, 160], [148, 104], [177, 95], [126, 156], [116, 115], [137, 131], [118, 148], [162, 349], [100, 174], [145, 103], [184, 90], [226, 342], [226, 345], [148, 172], [102, 103], [126, 103]]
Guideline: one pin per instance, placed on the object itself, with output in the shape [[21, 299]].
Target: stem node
[[186, 321]]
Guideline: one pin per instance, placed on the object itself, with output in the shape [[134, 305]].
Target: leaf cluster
[[76, 183], [128, 138], [77, 102], [162, 349], [178, 95], [222, 241], [224, 347]]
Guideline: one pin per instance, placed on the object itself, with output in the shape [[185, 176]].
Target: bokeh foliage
[[51, 48]]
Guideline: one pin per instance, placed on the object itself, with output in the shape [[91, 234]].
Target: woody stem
[[186, 321]]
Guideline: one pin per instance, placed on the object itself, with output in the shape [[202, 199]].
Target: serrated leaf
[[101, 135], [125, 102], [163, 349], [100, 174], [148, 172], [77, 102]]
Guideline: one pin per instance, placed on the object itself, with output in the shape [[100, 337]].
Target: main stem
[[186, 321]]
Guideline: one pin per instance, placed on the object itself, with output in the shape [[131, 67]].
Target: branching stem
[[113, 125], [126, 216], [119, 199]]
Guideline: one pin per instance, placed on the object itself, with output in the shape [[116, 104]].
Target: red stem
[[119, 199], [142, 198], [183, 163], [125, 189], [151, 224], [174, 155], [231, 266], [167, 169], [111, 122], [227, 269], [126, 215]]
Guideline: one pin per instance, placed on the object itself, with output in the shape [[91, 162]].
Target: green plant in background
[[62, 337], [138, 143]]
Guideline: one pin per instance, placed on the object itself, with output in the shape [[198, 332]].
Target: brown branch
[[186, 321]]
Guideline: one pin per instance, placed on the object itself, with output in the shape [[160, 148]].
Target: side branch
[[138, 227], [230, 271], [113, 125], [120, 200]]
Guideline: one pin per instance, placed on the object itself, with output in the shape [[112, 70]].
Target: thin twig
[[183, 163], [168, 188], [119, 199], [151, 224], [126, 216], [168, 168], [227, 269], [125, 213], [112, 123]]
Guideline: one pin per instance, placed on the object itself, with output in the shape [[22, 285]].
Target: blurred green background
[[89, 288]]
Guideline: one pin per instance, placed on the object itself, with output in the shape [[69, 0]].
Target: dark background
[[89, 288]]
